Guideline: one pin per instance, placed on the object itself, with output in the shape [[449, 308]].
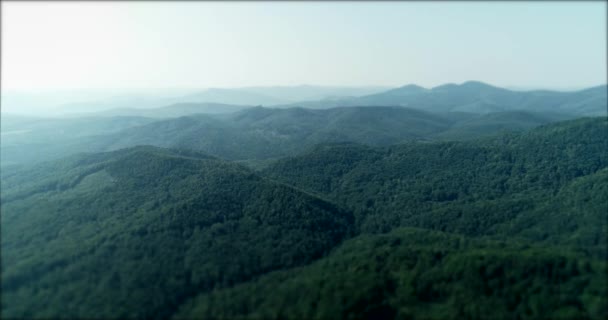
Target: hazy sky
[[65, 45]]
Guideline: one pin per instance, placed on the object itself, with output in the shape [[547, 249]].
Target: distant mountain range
[[171, 111], [86, 102], [478, 97], [471, 96], [309, 92], [244, 132]]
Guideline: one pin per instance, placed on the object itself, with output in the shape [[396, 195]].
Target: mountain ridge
[[479, 97], [260, 133]]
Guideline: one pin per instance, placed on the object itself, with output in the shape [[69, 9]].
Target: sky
[[50, 45]]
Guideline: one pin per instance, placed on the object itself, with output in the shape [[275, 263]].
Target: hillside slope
[[512, 225], [134, 232], [263, 133], [478, 187], [420, 274]]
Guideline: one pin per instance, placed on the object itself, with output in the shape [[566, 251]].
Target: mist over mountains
[[298, 160], [255, 133], [249, 132], [471, 96], [81, 102], [478, 97], [459, 201]]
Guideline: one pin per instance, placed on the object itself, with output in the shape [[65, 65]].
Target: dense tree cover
[[511, 226], [474, 187], [135, 232], [576, 217], [497, 123], [260, 133], [420, 274]]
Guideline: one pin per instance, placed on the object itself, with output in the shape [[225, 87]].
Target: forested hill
[[548, 184], [508, 226], [133, 233], [264, 133], [420, 274], [497, 123], [261, 133]]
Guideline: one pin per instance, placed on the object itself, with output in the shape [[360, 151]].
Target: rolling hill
[[133, 233], [511, 225], [420, 274], [18, 130], [491, 186], [497, 123], [259, 134]]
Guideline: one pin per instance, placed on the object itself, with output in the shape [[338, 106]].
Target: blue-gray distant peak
[[468, 85], [412, 88], [601, 89], [477, 84]]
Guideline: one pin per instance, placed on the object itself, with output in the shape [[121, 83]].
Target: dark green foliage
[[577, 217], [474, 188], [420, 274], [135, 232], [507, 227], [498, 122]]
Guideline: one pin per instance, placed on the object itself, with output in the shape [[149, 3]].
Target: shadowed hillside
[[495, 186], [135, 232], [420, 274]]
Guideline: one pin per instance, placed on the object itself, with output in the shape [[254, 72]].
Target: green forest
[[303, 160], [509, 225]]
